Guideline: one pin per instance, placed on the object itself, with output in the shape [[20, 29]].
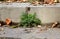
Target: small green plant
[[29, 20]]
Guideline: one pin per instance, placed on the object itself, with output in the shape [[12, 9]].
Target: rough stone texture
[[46, 14], [50, 33], [13, 13]]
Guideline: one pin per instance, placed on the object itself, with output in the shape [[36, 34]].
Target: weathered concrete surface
[[34, 34], [45, 14], [12, 13]]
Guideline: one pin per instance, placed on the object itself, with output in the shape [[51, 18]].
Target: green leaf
[[29, 20]]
